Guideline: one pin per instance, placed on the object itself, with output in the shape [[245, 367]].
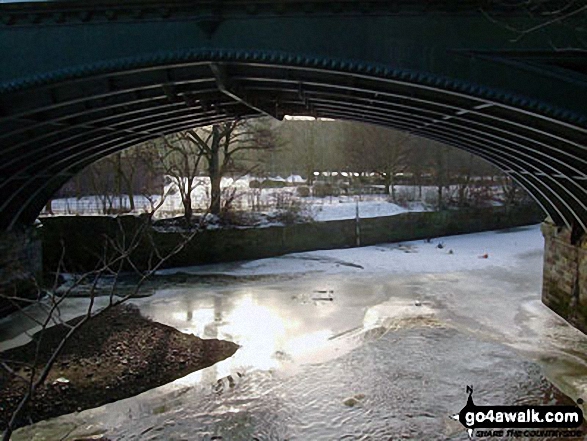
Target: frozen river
[[376, 343]]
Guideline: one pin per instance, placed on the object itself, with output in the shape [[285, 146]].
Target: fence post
[[357, 226]]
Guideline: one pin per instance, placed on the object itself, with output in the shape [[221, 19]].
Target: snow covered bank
[[242, 244], [447, 254]]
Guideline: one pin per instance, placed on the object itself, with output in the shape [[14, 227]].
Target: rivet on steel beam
[[59, 17], [337, 7], [111, 15], [85, 16], [36, 18], [8, 19], [280, 7], [365, 7], [137, 13], [209, 26]]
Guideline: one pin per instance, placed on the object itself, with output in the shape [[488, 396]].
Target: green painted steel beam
[[80, 80]]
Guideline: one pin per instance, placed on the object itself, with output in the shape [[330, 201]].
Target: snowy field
[[258, 200], [346, 208], [320, 209]]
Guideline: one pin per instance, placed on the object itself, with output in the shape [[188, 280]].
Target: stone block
[[20, 266], [565, 268]]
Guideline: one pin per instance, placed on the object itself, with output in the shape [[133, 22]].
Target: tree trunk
[[462, 188], [187, 209], [49, 207], [128, 181], [215, 179], [392, 185], [310, 173], [387, 183], [118, 181], [215, 192], [418, 183], [439, 196]]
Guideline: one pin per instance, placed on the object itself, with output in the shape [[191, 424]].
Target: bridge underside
[[53, 131], [82, 80], [79, 82]]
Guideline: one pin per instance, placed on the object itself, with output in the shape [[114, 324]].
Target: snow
[[346, 208], [458, 253], [296, 179], [262, 200], [95, 205], [266, 200]]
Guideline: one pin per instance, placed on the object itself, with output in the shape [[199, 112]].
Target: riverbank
[[301, 357], [66, 241], [115, 355]]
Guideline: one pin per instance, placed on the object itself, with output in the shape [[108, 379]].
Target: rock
[[354, 400], [351, 402], [60, 381]]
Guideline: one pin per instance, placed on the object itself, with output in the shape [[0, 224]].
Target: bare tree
[[418, 165], [220, 144], [390, 156], [112, 263], [440, 161], [102, 184], [464, 175], [513, 193], [118, 177], [180, 158], [377, 150]]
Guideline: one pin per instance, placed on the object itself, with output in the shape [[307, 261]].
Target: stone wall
[[20, 266], [86, 239], [564, 286]]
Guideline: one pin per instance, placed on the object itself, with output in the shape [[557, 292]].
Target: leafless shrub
[[290, 210], [112, 263]]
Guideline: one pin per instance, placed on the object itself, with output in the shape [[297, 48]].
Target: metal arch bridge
[[82, 79]]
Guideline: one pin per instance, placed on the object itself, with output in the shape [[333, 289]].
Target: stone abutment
[[564, 287], [21, 261]]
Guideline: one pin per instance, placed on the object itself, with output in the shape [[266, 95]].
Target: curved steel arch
[[554, 173], [518, 108]]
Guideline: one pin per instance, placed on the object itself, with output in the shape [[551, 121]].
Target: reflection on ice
[[406, 343], [275, 329], [258, 329]]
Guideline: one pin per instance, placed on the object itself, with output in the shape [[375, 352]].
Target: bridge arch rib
[[80, 80], [62, 122]]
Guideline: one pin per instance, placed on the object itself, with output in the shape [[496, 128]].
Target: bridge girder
[[61, 116]]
